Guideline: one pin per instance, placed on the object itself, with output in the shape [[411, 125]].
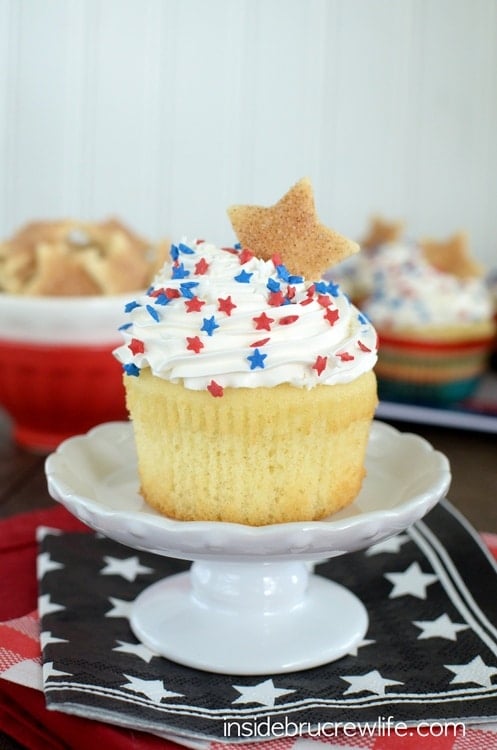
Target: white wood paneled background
[[165, 112]]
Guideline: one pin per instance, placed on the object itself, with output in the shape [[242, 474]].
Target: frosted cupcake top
[[220, 317], [408, 292]]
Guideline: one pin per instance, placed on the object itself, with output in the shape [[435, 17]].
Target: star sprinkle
[[320, 364], [243, 277], [131, 369], [201, 267], [209, 325], [215, 389], [136, 346], [263, 322], [226, 305], [452, 256], [381, 231], [256, 359], [194, 344], [194, 304], [291, 229], [331, 316]]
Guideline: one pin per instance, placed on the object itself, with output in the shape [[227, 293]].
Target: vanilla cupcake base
[[254, 456]]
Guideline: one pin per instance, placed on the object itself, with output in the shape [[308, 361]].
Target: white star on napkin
[[442, 627], [412, 581], [475, 671], [364, 642], [46, 606], [393, 544], [138, 649], [120, 608], [44, 564], [264, 693], [46, 638], [371, 682], [128, 568], [50, 671], [152, 689]]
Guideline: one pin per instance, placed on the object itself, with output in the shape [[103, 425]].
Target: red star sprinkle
[[320, 364], [324, 300], [136, 346], [288, 319], [194, 304], [345, 356], [215, 389], [226, 305], [194, 344], [275, 299], [363, 347], [245, 255], [261, 342], [263, 322], [172, 293], [201, 267], [331, 316]]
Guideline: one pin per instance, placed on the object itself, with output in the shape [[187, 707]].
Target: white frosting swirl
[[408, 292], [223, 315]]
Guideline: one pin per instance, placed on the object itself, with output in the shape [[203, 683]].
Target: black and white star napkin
[[430, 653]]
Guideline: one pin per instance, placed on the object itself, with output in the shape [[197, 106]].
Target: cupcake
[[433, 315], [250, 388], [355, 273]]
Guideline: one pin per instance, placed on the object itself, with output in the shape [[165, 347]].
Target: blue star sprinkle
[[131, 306], [152, 312], [283, 272], [243, 277], [209, 326], [273, 285], [256, 359], [131, 369], [179, 272]]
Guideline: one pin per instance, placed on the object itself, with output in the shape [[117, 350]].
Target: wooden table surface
[[472, 455]]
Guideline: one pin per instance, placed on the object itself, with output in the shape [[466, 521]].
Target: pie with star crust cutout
[[292, 230], [382, 231], [452, 256]]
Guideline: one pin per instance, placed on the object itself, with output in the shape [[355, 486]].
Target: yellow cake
[[251, 389]]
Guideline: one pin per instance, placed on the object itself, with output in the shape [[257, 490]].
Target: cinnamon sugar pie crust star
[[452, 256], [292, 230]]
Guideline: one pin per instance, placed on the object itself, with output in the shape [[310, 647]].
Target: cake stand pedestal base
[[249, 618]]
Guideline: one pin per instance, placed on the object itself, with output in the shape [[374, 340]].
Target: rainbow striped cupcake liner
[[430, 372]]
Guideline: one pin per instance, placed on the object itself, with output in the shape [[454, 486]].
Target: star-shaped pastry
[[292, 230], [452, 256], [382, 231]]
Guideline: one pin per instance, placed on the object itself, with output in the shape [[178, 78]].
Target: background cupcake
[[433, 314]]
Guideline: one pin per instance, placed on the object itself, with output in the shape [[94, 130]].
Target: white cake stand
[[249, 604]]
